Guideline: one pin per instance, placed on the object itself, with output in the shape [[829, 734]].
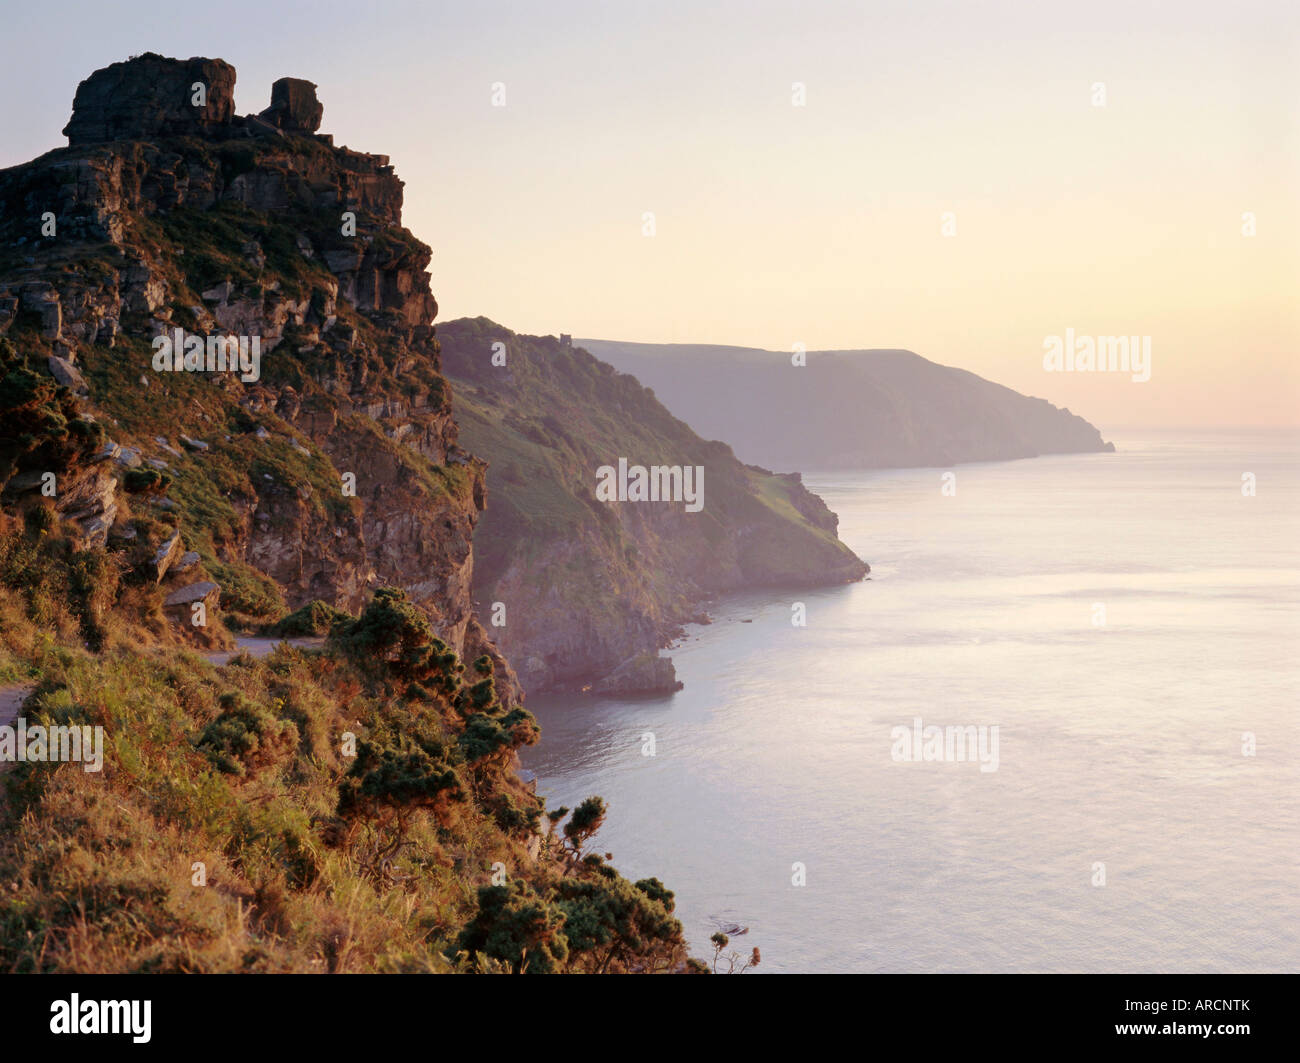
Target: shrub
[[586, 820], [245, 736], [518, 927], [400, 779], [513, 818], [610, 921], [314, 618], [489, 739], [146, 481], [392, 630]]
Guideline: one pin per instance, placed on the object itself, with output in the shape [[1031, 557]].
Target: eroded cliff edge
[[335, 470]]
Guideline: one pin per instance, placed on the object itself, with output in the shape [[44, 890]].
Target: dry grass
[[97, 869]]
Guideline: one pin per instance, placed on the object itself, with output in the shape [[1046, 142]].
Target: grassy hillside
[[353, 809]]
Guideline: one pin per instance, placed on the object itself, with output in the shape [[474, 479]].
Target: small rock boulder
[[166, 556], [205, 592], [294, 107], [68, 375], [219, 293], [187, 562]]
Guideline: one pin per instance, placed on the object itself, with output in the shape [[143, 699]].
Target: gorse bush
[[609, 920], [314, 618], [588, 919], [245, 735], [413, 775], [519, 928], [393, 633], [146, 481]]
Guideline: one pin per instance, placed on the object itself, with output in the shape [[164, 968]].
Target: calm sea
[[1129, 622]]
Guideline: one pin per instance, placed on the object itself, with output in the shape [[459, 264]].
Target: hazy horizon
[[802, 164]]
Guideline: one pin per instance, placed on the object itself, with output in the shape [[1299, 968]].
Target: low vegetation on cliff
[[352, 809]]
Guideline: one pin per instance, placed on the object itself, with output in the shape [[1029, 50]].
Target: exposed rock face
[[151, 96], [591, 589], [90, 500], [95, 194], [644, 674], [334, 472], [294, 106]]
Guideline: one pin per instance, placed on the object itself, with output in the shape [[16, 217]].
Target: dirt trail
[[13, 695], [11, 701], [261, 647]]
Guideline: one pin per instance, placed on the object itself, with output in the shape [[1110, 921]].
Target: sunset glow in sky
[[819, 224]]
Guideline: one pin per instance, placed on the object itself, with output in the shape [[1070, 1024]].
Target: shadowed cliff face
[[333, 471], [592, 588]]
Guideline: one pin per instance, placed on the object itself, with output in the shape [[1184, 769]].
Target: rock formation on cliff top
[[151, 96], [294, 106], [334, 472]]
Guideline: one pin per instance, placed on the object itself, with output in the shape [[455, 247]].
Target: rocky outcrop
[[644, 674], [152, 96], [67, 374], [166, 555], [205, 591], [337, 469], [294, 107]]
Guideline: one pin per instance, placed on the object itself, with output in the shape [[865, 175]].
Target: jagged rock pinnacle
[[152, 96]]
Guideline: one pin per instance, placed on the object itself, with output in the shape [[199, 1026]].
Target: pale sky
[[821, 224]]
